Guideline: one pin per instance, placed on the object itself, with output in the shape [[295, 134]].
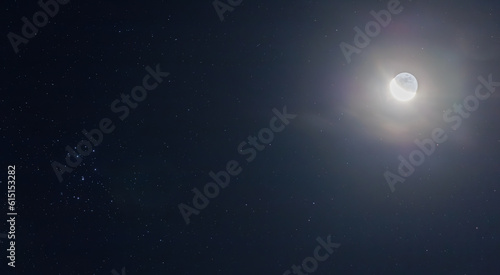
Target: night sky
[[250, 137]]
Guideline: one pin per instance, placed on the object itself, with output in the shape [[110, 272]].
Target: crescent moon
[[404, 87]]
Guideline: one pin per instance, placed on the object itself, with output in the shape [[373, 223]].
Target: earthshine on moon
[[404, 86]]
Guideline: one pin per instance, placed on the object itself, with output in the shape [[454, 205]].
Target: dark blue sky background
[[322, 175]]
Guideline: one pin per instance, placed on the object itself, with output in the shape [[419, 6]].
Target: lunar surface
[[404, 87]]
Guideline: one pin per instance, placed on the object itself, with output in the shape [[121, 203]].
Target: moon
[[404, 87]]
